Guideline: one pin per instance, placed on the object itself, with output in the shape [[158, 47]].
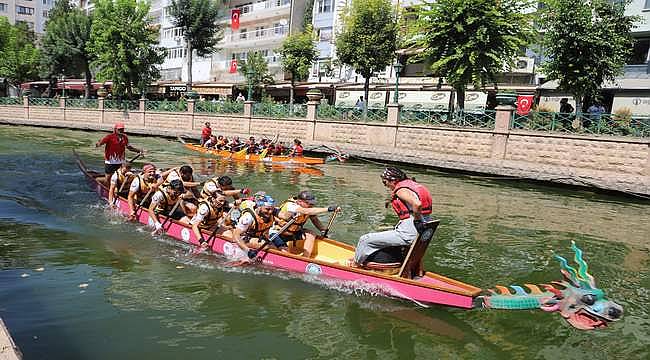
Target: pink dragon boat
[[576, 298]]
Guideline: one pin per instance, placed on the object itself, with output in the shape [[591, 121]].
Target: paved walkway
[[8, 350]]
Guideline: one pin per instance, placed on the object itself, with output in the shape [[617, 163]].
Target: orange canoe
[[256, 158]]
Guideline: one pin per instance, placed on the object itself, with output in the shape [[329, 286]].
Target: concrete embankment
[[606, 162], [8, 349]]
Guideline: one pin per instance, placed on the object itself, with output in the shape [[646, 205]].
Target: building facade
[[33, 13]]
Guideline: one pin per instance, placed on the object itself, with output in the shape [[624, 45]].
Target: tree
[[298, 53], [259, 70], [199, 21], [368, 38], [470, 41], [587, 42], [19, 57], [65, 45], [124, 43]]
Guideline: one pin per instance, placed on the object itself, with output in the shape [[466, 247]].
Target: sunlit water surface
[[78, 282]]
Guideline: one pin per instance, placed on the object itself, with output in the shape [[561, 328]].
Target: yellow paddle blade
[[241, 152], [263, 154]]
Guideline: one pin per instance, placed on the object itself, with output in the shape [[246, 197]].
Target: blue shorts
[[281, 241]]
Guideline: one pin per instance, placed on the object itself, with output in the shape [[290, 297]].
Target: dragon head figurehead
[[576, 298], [580, 302]]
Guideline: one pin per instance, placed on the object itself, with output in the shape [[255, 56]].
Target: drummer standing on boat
[[115, 147], [411, 202]]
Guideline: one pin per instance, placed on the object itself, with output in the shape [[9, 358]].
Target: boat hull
[[431, 289], [302, 160]]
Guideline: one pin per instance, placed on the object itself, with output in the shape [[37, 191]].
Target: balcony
[[261, 10], [255, 38]]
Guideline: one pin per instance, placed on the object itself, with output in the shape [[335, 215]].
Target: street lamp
[[398, 68], [63, 79], [249, 74]]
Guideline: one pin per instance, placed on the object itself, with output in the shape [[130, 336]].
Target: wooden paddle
[[329, 224], [265, 245], [169, 215], [139, 206], [214, 232]]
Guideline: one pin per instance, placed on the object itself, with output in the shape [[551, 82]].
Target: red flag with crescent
[[524, 103], [234, 18], [233, 66]]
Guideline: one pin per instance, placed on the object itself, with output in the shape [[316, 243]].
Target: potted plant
[[314, 95], [506, 97]]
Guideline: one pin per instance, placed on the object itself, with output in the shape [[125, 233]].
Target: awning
[[618, 84]]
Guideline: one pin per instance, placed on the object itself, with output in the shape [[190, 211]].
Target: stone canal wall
[[609, 162]]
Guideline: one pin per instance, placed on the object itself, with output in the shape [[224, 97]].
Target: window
[[46, 13], [177, 53], [23, 10], [278, 29], [3, 7], [325, 34], [243, 34], [640, 52], [324, 6], [260, 31]]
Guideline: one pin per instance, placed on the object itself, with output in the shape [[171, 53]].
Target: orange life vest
[[260, 228], [283, 217], [214, 214]]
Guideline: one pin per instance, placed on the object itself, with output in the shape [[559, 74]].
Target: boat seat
[[384, 268], [417, 250]]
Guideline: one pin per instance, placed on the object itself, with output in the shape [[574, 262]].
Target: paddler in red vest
[[115, 147], [412, 203], [254, 224], [143, 186], [205, 133], [302, 208], [296, 149], [120, 181]]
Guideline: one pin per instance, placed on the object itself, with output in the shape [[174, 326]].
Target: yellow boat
[[242, 156]]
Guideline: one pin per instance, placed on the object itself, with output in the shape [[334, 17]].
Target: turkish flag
[[234, 18], [233, 66], [524, 103]]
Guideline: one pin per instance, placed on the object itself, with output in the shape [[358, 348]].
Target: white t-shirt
[[157, 198], [245, 222], [173, 175], [210, 187], [201, 213], [114, 178]]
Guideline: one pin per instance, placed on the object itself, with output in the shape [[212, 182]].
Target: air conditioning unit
[[523, 65]]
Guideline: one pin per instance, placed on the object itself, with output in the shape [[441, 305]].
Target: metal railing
[[623, 124], [121, 105], [219, 107], [166, 106], [274, 110], [11, 101], [82, 103], [480, 119], [331, 112], [44, 102]]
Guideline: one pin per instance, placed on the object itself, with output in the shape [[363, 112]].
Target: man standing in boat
[[411, 202], [301, 208], [115, 147]]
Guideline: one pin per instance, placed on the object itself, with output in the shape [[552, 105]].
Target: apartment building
[[33, 13]]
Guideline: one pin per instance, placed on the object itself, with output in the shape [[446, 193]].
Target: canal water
[[78, 282]]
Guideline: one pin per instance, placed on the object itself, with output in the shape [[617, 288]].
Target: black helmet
[[393, 174], [177, 185], [224, 180]]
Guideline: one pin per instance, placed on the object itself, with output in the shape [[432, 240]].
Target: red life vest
[[401, 209]]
